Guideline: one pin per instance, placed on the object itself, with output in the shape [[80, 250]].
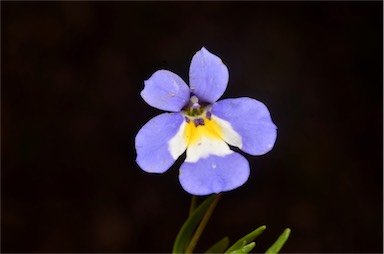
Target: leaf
[[246, 239], [219, 247], [275, 248], [189, 226], [245, 249]]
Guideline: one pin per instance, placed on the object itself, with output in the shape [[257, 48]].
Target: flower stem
[[193, 205], [203, 223]]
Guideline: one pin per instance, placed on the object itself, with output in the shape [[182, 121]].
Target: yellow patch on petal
[[204, 140], [201, 141], [210, 130]]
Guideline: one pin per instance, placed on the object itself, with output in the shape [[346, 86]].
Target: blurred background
[[70, 109]]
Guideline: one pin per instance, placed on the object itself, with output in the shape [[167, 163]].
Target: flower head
[[203, 127]]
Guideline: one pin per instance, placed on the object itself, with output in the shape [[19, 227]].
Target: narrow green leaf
[[275, 248], [245, 249], [220, 246], [246, 239], [189, 226]]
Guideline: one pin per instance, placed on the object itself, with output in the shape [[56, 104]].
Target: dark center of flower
[[194, 108], [196, 111]]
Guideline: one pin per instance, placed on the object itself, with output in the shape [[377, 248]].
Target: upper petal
[[159, 143], [208, 76], [214, 174], [165, 90], [251, 120]]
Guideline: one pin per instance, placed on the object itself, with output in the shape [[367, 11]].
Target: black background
[[70, 109]]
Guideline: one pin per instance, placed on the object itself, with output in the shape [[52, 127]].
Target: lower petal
[[251, 120], [214, 174], [159, 143]]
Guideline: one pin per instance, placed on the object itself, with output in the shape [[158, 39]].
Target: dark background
[[70, 109]]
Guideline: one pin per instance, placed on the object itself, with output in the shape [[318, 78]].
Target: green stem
[[203, 223], [193, 205]]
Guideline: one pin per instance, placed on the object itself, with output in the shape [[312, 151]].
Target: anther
[[208, 115], [198, 121]]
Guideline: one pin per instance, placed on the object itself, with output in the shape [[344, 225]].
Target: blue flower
[[203, 127]]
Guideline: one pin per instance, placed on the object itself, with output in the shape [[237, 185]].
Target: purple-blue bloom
[[203, 127]]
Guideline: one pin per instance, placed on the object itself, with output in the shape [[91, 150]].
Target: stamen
[[208, 115]]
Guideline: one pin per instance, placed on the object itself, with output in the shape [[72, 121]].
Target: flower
[[203, 127]]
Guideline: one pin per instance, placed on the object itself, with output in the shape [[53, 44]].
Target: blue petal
[[208, 76], [166, 91], [214, 174], [251, 120], [151, 142]]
